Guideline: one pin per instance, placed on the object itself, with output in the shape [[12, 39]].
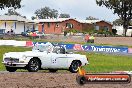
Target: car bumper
[[9, 64]]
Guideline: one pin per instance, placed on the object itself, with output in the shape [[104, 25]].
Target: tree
[[91, 18], [33, 17], [53, 13], [46, 13], [12, 11], [114, 31], [123, 8], [118, 22], [10, 3], [64, 15]]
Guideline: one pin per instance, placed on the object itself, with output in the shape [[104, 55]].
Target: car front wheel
[[33, 65], [11, 69], [74, 66]]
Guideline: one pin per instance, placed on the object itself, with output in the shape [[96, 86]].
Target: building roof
[[21, 19], [14, 18], [89, 21], [64, 19], [52, 20]]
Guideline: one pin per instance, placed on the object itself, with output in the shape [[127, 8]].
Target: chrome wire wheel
[[74, 66], [33, 65]]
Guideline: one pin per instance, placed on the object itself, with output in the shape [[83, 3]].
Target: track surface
[[48, 80]]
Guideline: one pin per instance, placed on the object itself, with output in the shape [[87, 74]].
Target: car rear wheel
[[74, 66], [33, 65], [11, 69]]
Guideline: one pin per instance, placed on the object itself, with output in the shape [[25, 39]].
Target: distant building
[[98, 25], [120, 30], [17, 23], [50, 26], [58, 26]]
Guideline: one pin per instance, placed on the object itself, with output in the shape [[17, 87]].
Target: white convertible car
[[46, 56]]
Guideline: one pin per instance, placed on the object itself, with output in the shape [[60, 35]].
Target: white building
[[120, 30], [17, 23]]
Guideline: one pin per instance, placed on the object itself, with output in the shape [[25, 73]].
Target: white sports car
[[46, 56]]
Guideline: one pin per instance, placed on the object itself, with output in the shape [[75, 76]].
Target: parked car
[[36, 33], [26, 33], [39, 34], [46, 56]]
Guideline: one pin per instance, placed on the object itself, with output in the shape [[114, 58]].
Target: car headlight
[[24, 57]]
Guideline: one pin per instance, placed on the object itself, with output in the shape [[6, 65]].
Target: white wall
[[28, 26], [9, 25], [120, 30], [19, 26], [129, 31], [2, 25]]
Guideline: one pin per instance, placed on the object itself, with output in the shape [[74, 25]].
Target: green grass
[[108, 63], [98, 62]]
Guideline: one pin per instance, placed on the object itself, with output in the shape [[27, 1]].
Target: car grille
[[14, 60]]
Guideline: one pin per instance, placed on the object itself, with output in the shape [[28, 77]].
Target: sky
[[79, 9]]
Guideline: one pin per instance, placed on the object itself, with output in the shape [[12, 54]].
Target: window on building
[[106, 28], [57, 24], [96, 27], [2, 31], [69, 25], [48, 24]]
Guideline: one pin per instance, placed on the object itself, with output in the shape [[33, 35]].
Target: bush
[[72, 30], [89, 31], [114, 31]]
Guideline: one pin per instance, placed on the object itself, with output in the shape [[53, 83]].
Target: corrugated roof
[[21, 19], [14, 18], [51, 20], [64, 19], [89, 21]]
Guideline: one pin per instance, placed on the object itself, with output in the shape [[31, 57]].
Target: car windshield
[[59, 50], [48, 47], [40, 48]]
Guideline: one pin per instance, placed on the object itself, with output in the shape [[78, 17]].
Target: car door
[[59, 60], [46, 60]]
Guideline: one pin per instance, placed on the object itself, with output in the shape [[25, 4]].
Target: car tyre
[[33, 65], [74, 66], [81, 80], [11, 69]]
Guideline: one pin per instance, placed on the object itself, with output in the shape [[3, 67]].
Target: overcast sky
[[76, 8]]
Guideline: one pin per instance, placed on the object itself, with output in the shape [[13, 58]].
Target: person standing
[[86, 38]]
